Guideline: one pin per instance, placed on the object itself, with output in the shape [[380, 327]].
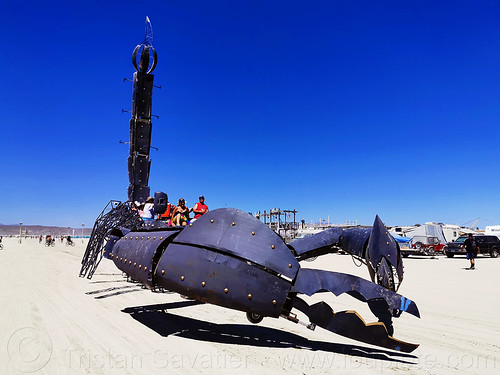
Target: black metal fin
[[310, 281], [351, 325], [382, 245]]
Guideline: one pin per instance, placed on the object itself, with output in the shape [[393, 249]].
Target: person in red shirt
[[200, 208]]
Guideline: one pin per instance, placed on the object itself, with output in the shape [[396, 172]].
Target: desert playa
[[53, 322]]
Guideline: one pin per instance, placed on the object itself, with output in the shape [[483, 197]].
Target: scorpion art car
[[231, 259]]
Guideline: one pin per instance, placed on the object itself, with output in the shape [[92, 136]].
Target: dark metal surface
[[137, 253], [116, 214], [353, 241], [221, 279], [239, 234], [140, 124], [382, 245], [350, 324], [310, 281], [321, 243]]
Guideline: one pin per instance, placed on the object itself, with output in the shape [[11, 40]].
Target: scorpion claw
[[350, 324], [382, 252]]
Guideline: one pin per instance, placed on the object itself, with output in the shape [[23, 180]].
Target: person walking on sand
[[472, 250]]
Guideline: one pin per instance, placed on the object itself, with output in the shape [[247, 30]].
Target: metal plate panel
[[134, 254], [353, 240], [310, 281], [221, 280], [322, 240], [235, 232]]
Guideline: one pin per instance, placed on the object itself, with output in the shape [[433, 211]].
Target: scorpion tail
[[351, 325]]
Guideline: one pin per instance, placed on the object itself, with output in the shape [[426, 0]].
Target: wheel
[[429, 250], [419, 246], [494, 252], [254, 317], [450, 255]]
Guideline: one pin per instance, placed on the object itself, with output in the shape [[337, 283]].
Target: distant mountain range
[[36, 230]]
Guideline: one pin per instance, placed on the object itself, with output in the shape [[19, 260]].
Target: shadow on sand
[[159, 320]]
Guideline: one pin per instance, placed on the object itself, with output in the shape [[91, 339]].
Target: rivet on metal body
[[182, 278], [226, 290], [249, 296]]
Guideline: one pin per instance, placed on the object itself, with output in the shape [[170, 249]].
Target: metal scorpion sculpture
[[231, 259]]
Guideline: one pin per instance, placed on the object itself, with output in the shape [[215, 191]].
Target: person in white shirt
[[148, 212]]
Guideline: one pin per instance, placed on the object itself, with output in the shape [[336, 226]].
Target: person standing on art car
[[200, 208], [148, 210], [472, 250]]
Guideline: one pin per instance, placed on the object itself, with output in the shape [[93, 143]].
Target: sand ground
[[53, 322]]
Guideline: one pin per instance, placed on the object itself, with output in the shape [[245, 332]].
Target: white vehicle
[[493, 230]]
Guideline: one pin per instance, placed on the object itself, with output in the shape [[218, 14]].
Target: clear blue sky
[[344, 109]]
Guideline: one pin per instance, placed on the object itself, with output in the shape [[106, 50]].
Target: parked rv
[[427, 239]]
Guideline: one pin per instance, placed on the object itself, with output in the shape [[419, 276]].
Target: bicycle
[[1, 246], [70, 243]]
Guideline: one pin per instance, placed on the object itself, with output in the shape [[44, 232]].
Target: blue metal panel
[[320, 242], [353, 240], [221, 279], [134, 254], [237, 233], [310, 281]]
